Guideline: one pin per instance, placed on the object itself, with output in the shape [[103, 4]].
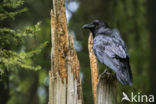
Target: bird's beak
[[88, 26]]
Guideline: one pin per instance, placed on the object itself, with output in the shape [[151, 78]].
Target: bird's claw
[[105, 74]]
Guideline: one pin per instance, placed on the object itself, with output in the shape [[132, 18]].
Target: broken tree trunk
[[93, 65], [64, 77], [104, 87]]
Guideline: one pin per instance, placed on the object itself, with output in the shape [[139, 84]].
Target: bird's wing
[[111, 52], [117, 36], [112, 47]]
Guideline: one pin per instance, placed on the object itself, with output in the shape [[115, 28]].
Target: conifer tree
[[12, 45]]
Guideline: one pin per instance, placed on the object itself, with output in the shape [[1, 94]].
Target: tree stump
[[104, 87], [64, 76]]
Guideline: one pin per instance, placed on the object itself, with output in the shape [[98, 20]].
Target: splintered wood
[[104, 87], [93, 65], [64, 76], [106, 90], [59, 38], [74, 91]]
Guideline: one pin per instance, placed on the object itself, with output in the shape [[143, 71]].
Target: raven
[[110, 49]]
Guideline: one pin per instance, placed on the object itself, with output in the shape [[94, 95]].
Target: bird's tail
[[124, 75]]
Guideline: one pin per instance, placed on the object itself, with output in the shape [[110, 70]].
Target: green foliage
[[14, 55], [24, 49], [17, 65], [10, 59], [9, 9]]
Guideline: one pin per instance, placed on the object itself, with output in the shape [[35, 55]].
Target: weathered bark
[[74, 91], [104, 89], [64, 77], [93, 65]]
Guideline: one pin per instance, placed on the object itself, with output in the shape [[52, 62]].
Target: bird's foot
[[105, 74], [105, 71]]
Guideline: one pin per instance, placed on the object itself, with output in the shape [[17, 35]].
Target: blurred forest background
[[25, 45]]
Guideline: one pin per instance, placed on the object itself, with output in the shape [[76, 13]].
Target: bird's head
[[97, 26]]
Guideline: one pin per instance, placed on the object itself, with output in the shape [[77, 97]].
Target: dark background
[[28, 84]]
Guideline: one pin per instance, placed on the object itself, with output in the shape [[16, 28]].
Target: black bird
[[111, 50]]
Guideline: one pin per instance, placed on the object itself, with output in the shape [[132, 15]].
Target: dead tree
[[93, 65], [104, 87], [64, 76]]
